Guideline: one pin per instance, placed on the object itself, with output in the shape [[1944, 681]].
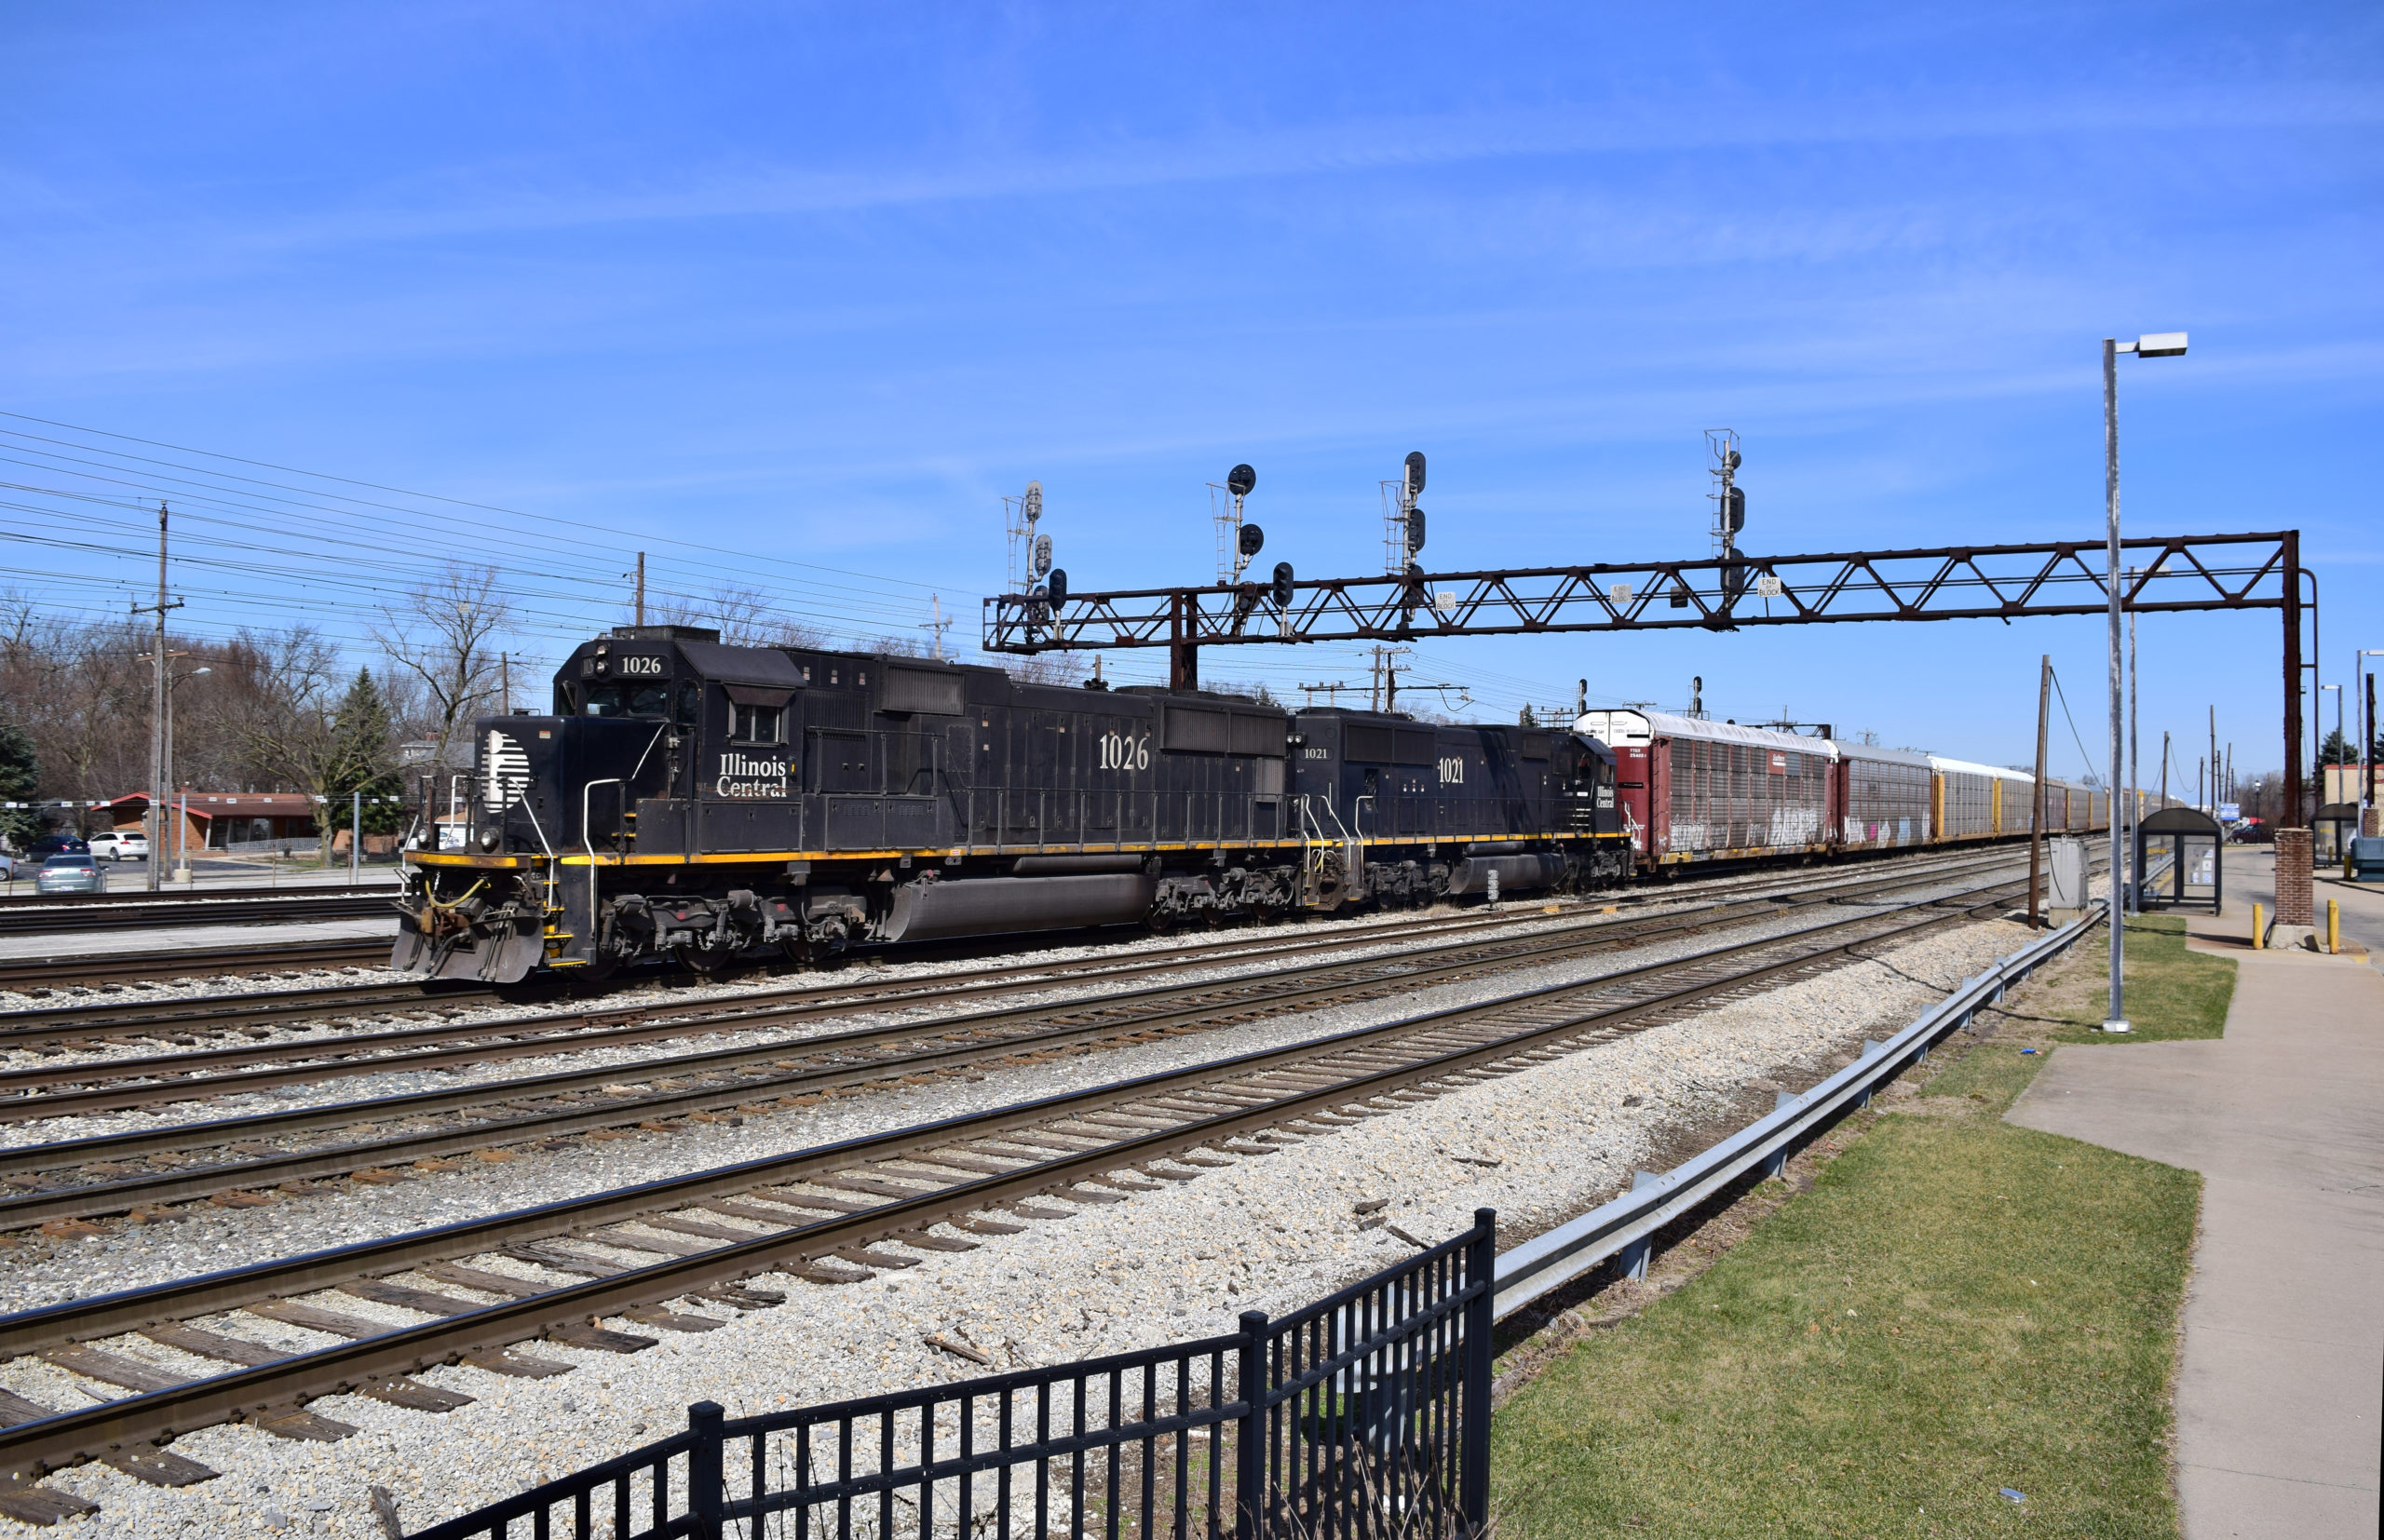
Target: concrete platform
[[2282, 1371]]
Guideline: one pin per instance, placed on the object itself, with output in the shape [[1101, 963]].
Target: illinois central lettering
[[750, 775]]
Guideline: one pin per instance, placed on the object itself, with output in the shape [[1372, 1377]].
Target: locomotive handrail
[[587, 838]]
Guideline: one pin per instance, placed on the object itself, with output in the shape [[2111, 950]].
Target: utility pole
[[2164, 768], [2214, 762], [937, 625], [504, 674], [2037, 813], [640, 588], [154, 824]]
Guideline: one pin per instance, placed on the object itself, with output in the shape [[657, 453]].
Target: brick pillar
[[2293, 888], [2371, 823]]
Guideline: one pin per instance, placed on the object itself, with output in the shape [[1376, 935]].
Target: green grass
[[2012, 1298]]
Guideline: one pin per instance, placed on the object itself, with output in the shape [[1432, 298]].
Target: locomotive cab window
[[753, 724], [627, 700]]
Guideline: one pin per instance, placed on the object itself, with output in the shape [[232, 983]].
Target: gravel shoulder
[[1266, 1233]]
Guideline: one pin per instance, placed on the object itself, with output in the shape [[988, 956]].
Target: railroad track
[[182, 1019], [142, 1170], [489, 1289], [82, 1020], [22, 974], [13, 902], [146, 913]]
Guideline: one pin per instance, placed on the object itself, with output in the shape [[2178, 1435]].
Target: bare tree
[[1060, 667], [444, 634], [285, 709], [743, 616]]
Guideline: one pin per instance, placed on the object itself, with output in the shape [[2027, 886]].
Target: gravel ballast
[[1268, 1233], [204, 1238]]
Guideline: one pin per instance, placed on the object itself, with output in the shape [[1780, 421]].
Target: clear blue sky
[[803, 288]]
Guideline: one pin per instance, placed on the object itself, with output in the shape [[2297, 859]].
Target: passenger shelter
[[2330, 832], [2177, 854]]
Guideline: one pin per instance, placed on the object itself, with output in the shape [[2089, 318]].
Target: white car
[[120, 845]]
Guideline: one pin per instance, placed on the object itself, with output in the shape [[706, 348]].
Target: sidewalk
[[2282, 1371]]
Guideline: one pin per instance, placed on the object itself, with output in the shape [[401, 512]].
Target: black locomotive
[[708, 804]]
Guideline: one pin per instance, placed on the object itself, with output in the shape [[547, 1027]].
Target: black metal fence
[[1364, 1415]]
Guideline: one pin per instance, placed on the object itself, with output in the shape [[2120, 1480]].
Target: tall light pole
[[2158, 345]]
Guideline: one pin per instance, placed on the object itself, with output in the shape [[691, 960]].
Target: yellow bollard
[[2260, 931], [2334, 929]]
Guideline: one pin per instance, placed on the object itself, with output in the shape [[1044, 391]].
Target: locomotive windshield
[[644, 699]]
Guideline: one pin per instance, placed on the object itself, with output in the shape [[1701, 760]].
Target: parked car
[[71, 874], [120, 845], [56, 845]]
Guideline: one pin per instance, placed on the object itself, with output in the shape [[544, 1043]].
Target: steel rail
[[10, 902], [575, 1030], [793, 1080], [19, 974], [31, 1447], [188, 1013], [26, 921], [99, 1020], [184, 1015]]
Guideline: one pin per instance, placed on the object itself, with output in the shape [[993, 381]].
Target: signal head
[[1280, 590], [1252, 538], [1241, 480], [1042, 554], [1415, 530], [1736, 508], [1057, 586], [1031, 504], [1414, 471]]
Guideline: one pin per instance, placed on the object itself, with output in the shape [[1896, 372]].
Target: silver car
[[71, 874]]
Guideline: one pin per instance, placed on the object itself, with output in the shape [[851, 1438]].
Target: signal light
[[1415, 530], [1042, 554], [1057, 586], [1281, 590], [1734, 505], [1252, 538], [1241, 480], [1415, 472]]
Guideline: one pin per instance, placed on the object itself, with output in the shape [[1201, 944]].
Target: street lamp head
[[2155, 345]]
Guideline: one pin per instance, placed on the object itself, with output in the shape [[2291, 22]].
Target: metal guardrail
[[1625, 1228]]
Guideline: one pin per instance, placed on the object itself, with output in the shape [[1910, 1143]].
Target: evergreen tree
[[19, 779], [362, 728], [2337, 749], [1528, 719]]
